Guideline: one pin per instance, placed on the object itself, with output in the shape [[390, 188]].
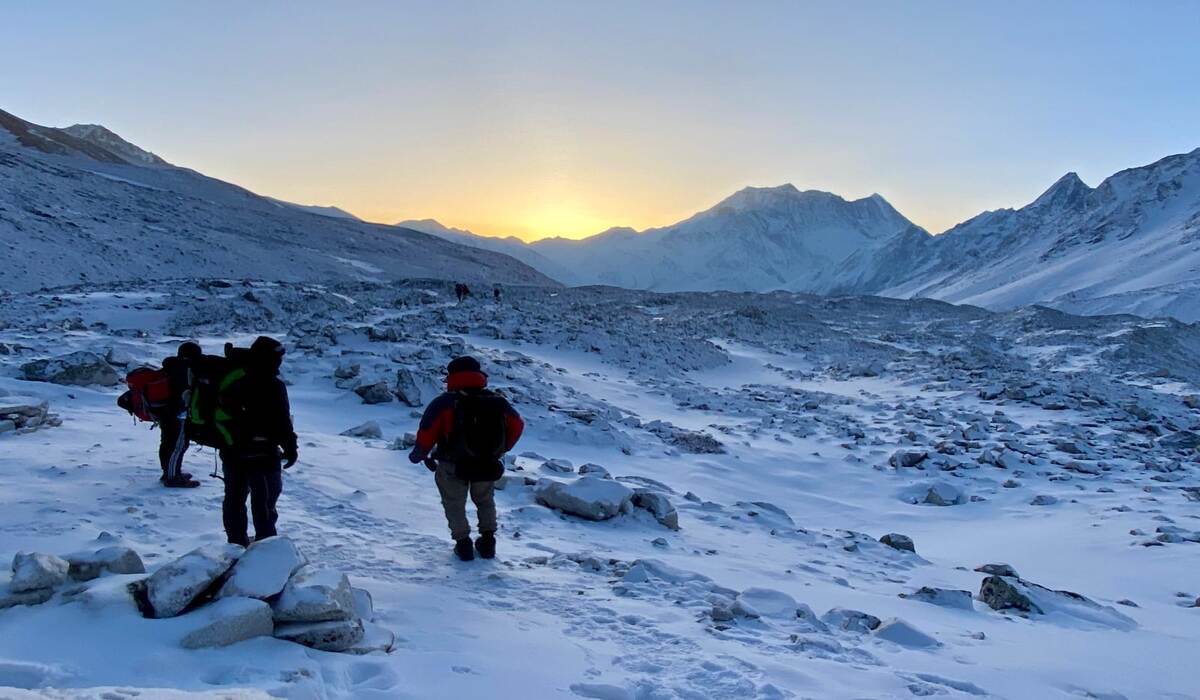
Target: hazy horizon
[[540, 119]]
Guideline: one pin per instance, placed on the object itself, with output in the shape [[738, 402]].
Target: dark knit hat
[[189, 350], [466, 363]]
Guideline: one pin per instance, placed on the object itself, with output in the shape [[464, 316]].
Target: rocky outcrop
[[80, 368], [588, 497], [315, 595], [179, 584], [35, 571]]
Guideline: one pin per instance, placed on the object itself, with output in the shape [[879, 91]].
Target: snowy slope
[[1061, 434], [1130, 244], [509, 245], [330, 211], [72, 211]]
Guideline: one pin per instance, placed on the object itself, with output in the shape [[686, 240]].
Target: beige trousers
[[454, 493]]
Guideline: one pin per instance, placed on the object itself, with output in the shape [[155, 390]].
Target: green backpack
[[216, 416]]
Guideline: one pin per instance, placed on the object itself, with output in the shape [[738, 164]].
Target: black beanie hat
[[466, 363], [189, 351]]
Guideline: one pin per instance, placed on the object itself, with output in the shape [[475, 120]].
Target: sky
[[538, 119]]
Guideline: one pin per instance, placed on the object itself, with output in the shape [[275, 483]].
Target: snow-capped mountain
[[83, 205], [1132, 244], [509, 245], [756, 240]]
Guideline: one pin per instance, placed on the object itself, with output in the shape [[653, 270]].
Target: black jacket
[[267, 415]]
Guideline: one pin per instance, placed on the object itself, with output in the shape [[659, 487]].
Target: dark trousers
[[172, 445], [260, 477]]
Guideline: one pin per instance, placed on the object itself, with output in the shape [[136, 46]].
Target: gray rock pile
[[24, 414], [80, 368]]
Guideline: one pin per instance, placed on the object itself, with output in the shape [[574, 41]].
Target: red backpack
[[149, 392]]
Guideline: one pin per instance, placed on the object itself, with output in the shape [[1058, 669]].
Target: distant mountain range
[[81, 204], [1129, 245]]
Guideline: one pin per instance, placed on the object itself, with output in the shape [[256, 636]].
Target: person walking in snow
[[254, 465], [458, 291], [496, 293], [463, 435], [173, 440]]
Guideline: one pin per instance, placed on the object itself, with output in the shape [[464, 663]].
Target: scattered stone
[[228, 621], [85, 566], [374, 393], [368, 430], [897, 541], [907, 458], [346, 371], [588, 497], [558, 466], [179, 584], [943, 494], [594, 470], [1043, 500], [851, 620], [315, 595], [264, 569], [335, 635], [997, 570], [900, 632], [79, 368], [34, 571], [658, 505], [945, 597], [10, 598]]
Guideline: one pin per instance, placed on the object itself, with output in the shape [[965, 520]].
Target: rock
[[364, 604], [943, 494], [850, 620], [315, 595], [945, 597], [907, 458], [594, 470], [228, 621], [10, 598], [346, 371], [1192, 401], [336, 635], [558, 466], [722, 613], [80, 368], [900, 632], [179, 584], [1043, 500], [588, 497], [1005, 593], [7, 426], [374, 393], [85, 566], [765, 602], [1182, 441], [658, 505], [118, 357], [375, 638], [407, 389], [370, 430], [35, 571], [1068, 447], [997, 570], [264, 569], [897, 541]]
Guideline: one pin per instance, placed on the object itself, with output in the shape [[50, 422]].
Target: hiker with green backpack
[[463, 435], [239, 405]]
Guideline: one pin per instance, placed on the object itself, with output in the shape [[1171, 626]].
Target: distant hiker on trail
[[496, 293], [173, 440], [160, 396], [259, 438], [467, 430], [458, 290]]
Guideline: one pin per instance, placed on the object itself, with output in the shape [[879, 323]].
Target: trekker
[[252, 465], [496, 293], [173, 439], [460, 291], [471, 428]]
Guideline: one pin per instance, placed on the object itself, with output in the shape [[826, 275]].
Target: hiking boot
[[182, 475], [464, 550], [181, 482], [486, 544]]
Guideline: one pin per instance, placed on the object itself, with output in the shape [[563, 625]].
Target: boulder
[[997, 570], [228, 621], [1043, 500], [346, 371], [765, 602], [943, 494], [374, 393], [903, 543], [375, 638], [336, 635], [179, 584], [31, 572], [900, 632], [945, 597], [588, 497], [369, 430], [80, 368], [594, 470], [658, 505], [85, 566], [315, 595], [1028, 598], [10, 598], [558, 466], [264, 569], [118, 357], [408, 392], [907, 458], [850, 620]]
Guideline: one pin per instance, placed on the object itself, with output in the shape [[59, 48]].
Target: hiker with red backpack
[[161, 396], [463, 435]]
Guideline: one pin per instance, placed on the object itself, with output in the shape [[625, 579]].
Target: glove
[[290, 455], [431, 465], [415, 456]]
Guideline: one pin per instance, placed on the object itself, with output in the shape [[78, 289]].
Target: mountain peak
[[1067, 191], [106, 139]]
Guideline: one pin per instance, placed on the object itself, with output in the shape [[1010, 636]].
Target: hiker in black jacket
[[254, 465], [173, 441]]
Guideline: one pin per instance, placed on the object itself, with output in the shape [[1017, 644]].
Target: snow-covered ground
[[778, 426]]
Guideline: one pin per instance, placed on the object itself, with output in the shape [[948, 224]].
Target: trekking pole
[[214, 474]]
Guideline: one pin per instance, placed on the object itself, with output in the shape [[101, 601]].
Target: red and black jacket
[[438, 420]]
